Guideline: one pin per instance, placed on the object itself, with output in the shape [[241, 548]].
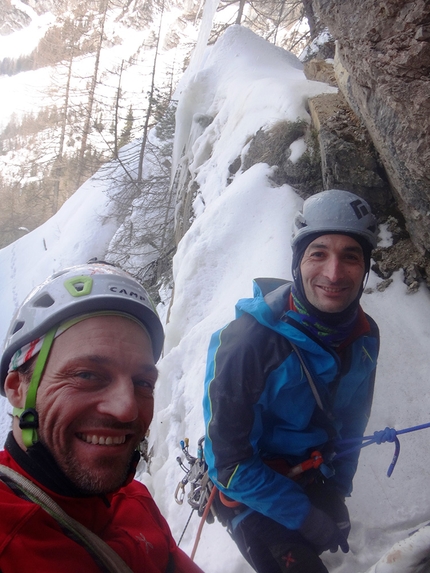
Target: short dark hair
[[26, 370]]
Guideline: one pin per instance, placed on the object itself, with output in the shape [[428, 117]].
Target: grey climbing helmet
[[335, 211], [73, 292]]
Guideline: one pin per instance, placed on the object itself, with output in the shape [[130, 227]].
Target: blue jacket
[[258, 403]]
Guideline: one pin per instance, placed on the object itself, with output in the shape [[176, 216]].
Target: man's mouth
[[102, 440], [334, 290]]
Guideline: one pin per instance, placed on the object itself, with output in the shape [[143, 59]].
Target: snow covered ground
[[127, 48], [242, 231]]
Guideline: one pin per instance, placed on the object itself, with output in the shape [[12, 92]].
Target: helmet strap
[[28, 416]]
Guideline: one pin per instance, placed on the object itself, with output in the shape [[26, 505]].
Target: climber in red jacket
[[78, 368]]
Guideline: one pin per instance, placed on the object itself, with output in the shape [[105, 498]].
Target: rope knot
[[387, 435]]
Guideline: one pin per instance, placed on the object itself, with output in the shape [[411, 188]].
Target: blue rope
[[378, 437]]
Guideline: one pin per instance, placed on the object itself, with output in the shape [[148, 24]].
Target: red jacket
[[31, 540]]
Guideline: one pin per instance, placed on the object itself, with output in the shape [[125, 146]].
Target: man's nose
[[119, 400], [334, 269]]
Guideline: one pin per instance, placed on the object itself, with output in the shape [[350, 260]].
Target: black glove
[[320, 530]]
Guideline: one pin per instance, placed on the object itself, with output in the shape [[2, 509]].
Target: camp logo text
[[119, 290]]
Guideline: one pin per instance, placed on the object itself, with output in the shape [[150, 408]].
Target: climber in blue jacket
[[285, 381]]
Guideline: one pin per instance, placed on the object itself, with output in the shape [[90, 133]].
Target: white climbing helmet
[[75, 291], [335, 211]]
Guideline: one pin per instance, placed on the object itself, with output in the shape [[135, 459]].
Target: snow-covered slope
[[123, 81]]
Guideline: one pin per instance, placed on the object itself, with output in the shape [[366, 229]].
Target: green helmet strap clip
[[79, 286], [28, 417]]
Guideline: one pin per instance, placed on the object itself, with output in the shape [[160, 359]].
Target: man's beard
[[96, 482], [106, 478]]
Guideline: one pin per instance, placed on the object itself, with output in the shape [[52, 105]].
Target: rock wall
[[348, 157], [382, 66]]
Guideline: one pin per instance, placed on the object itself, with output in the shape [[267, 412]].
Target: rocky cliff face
[[382, 66]]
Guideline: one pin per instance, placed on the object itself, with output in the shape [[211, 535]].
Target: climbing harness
[[203, 491]]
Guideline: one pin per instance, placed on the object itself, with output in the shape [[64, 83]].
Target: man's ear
[[15, 387]]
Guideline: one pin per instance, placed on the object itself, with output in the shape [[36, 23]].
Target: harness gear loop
[[196, 475], [227, 501]]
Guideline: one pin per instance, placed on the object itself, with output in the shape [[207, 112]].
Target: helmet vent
[[44, 301], [18, 326]]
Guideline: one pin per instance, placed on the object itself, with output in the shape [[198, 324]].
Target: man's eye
[[145, 385], [352, 257], [85, 375]]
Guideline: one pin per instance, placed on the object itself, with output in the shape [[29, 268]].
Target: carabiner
[[180, 500]]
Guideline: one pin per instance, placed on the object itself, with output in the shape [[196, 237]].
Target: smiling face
[[332, 270], [95, 400]]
